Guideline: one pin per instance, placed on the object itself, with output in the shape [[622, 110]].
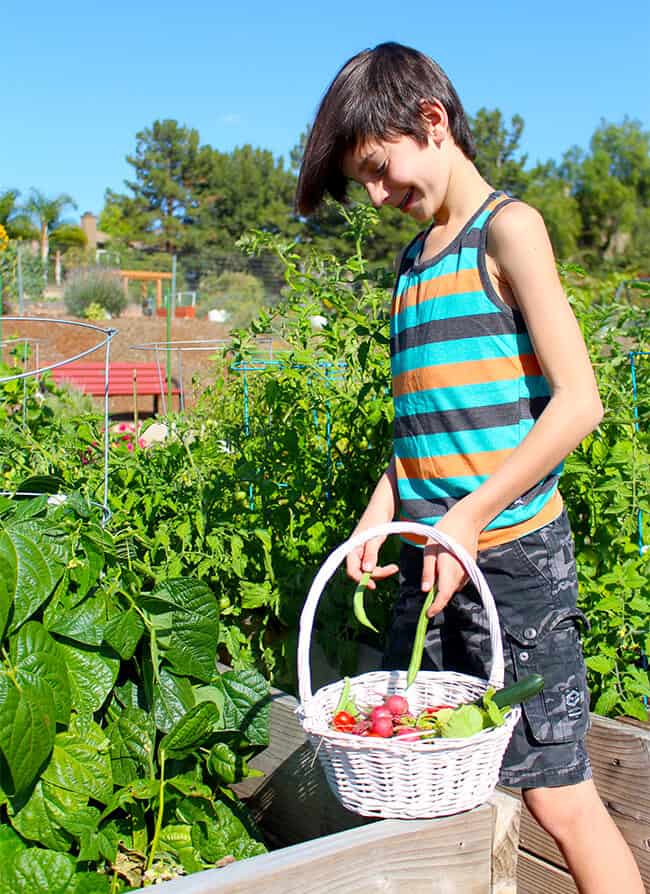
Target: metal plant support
[[39, 370]]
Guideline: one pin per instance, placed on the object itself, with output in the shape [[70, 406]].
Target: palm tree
[[47, 215]]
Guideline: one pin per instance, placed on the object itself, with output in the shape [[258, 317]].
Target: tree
[[13, 218], [551, 195], [169, 166], [611, 185], [47, 215], [498, 155], [243, 189]]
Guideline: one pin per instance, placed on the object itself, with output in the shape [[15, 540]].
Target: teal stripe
[[446, 307], [520, 513], [463, 486], [488, 347], [484, 394], [481, 219], [481, 440], [450, 263]]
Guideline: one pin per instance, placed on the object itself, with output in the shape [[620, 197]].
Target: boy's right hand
[[364, 558]]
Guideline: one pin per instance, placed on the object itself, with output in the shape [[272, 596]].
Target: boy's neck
[[466, 191]]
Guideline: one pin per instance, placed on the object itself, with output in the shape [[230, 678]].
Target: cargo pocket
[[560, 712]]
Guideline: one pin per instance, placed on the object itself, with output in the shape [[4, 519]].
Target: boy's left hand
[[443, 569]]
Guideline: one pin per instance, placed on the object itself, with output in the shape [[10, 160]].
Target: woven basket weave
[[399, 778]]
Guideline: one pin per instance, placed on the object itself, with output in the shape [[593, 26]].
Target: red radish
[[381, 711], [383, 726], [397, 705], [407, 730], [437, 708]]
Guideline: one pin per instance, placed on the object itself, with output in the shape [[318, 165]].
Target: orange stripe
[[466, 372], [496, 537], [452, 465], [439, 286]]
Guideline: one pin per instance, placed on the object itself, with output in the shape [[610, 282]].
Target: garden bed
[[315, 838]]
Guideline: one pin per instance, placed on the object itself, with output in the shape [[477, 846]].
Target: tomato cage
[[163, 352], [24, 349], [636, 358], [327, 371]]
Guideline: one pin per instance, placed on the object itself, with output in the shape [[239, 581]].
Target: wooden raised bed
[[325, 849], [496, 849], [620, 757]]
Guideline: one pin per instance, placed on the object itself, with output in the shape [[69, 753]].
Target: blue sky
[[80, 79]]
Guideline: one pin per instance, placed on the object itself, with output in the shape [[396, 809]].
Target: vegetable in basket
[[394, 717]]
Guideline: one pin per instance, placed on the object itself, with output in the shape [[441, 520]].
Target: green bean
[[418, 642], [359, 610]]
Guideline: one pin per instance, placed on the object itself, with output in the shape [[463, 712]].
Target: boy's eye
[[381, 169]]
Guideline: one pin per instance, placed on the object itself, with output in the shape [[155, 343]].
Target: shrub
[[94, 286], [240, 294]]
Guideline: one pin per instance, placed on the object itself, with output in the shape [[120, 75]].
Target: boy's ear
[[436, 117]]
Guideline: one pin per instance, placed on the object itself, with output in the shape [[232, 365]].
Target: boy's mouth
[[405, 201]]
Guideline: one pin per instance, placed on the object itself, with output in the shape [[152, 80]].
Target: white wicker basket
[[396, 777]]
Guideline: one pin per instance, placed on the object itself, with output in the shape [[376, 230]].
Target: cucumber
[[520, 691]]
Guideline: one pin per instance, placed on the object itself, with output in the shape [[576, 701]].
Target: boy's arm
[[520, 250], [381, 508]]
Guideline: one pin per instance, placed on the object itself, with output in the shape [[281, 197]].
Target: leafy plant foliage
[[119, 736]]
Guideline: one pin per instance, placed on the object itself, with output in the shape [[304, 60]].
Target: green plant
[[95, 311], [240, 294], [94, 286], [119, 736], [605, 485]]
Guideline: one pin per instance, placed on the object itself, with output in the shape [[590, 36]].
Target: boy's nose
[[377, 193]]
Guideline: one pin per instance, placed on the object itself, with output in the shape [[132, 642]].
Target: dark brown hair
[[377, 94]]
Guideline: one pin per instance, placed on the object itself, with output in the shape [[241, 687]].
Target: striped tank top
[[467, 386]]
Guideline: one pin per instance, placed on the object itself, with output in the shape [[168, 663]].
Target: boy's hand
[[443, 569], [364, 558]]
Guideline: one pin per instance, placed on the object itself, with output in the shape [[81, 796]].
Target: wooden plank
[[620, 758], [440, 856], [293, 802], [534, 876], [505, 843]]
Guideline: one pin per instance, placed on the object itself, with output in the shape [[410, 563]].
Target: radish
[[382, 726], [381, 711], [397, 705]]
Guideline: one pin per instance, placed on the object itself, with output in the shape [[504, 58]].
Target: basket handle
[[335, 558]]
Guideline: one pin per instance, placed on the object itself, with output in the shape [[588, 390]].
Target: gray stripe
[[473, 326], [469, 418], [437, 506]]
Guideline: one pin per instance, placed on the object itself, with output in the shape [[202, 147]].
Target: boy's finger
[[429, 570], [370, 554], [451, 577]]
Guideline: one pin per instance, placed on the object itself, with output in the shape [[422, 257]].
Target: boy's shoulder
[[515, 224]]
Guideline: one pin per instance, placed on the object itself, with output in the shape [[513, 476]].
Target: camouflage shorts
[[534, 584]]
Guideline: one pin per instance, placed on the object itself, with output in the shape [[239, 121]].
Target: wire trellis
[[39, 370], [635, 356], [179, 347], [330, 371]]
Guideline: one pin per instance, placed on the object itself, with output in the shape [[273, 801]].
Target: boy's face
[[403, 173]]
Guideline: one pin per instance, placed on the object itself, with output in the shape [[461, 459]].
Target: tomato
[[437, 708], [343, 722]]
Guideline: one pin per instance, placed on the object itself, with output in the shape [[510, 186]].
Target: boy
[[492, 388]]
